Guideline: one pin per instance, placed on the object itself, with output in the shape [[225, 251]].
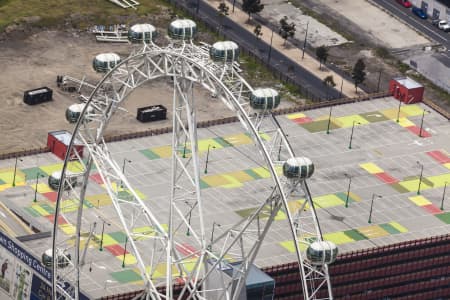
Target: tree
[[322, 55], [252, 7], [287, 30], [358, 73], [257, 31], [328, 82], [223, 11]]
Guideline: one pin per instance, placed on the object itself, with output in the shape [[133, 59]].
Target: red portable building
[[58, 142], [406, 90]]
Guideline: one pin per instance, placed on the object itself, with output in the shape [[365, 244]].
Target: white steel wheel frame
[[242, 240]]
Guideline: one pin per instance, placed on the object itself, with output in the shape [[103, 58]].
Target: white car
[[441, 24]]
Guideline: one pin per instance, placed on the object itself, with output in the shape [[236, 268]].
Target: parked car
[[441, 24], [419, 12], [405, 3]]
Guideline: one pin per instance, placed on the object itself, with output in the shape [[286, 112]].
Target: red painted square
[[51, 196], [61, 219], [303, 120], [116, 249], [431, 208], [439, 156], [97, 178], [186, 249], [414, 129], [386, 178]]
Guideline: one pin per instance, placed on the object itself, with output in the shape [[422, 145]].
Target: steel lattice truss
[[187, 65]]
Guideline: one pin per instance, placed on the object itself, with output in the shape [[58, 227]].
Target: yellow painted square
[[419, 200], [354, 196], [295, 116], [404, 122], [234, 183], [203, 145], [439, 180], [129, 259], [107, 240], [160, 271], [163, 151], [238, 139], [447, 165], [264, 136], [371, 168], [99, 199], [295, 205], [262, 172], [75, 167], [41, 188], [280, 216], [241, 176], [40, 210], [338, 238], [347, 121], [189, 264], [413, 185], [216, 180], [5, 186], [69, 206], [398, 227], [412, 110], [391, 113], [68, 229], [8, 177], [373, 231], [327, 201], [49, 169]]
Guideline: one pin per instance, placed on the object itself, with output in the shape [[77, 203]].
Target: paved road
[[309, 82], [424, 26]]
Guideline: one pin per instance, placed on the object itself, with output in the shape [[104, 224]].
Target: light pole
[[123, 169], [212, 234], [371, 206], [234, 2], [184, 149], [103, 230], [124, 252], [15, 170], [329, 120], [188, 232], [379, 80], [351, 135], [270, 48], [420, 177], [348, 188], [421, 122], [398, 112], [304, 42], [443, 196], [207, 158], [36, 188]]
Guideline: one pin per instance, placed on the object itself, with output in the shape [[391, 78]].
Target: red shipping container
[[406, 90], [58, 142]]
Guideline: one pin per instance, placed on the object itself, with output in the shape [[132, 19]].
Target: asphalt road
[[424, 26], [311, 85]]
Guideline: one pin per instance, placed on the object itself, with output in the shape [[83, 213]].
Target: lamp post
[[36, 187], [15, 170], [351, 135], [124, 252], [443, 196], [420, 177], [379, 81], [103, 230], [270, 48], [371, 206], [212, 234], [398, 112], [207, 158], [123, 169], [184, 148], [348, 188], [329, 120], [188, 232], [304, 42], [234, 2], [421, 122]]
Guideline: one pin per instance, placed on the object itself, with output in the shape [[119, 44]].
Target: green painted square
[[374, 116], [88, 204], [318, 126], [47, 208], [93, 167], [125, 195], [252, 174], [221, 141], [32, 212], [355, 235], [31, 173], [343, 197], [445, 217], [149, 154], [244, 213], [2, 182], [203, 185], [126, 276], [119, 236], [427, 182], [389, 228], [399, 188]]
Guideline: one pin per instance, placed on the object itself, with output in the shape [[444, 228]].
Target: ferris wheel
[[206, 271]]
